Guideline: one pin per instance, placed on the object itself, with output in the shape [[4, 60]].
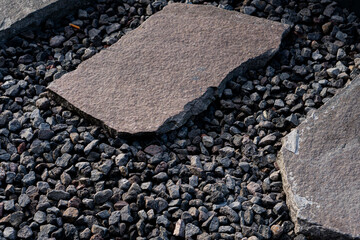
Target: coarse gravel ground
[[214, 178]]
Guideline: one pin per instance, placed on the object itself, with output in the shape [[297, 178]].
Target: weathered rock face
[[17, 15], [320, 167], [154, 78]]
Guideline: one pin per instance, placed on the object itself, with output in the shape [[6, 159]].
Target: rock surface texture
[[18, 15], [156, 77], [319, 162]]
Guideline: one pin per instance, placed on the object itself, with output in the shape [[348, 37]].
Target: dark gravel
[[214, 178]]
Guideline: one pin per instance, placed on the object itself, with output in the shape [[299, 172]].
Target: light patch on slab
[[302, 202], [5, 23], [314, 115], [292, 142]]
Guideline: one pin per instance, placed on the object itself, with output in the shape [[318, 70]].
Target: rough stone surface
[[15, 16], [155, 77], [319, 163]]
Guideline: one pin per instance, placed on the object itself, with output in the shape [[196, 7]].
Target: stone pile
[[213, 178]]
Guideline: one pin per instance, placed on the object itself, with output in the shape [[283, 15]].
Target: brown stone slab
[[320, 168], [168, 69]]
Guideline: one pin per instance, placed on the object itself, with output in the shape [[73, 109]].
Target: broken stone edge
[[53, 11], [302, 225], [192, 108]]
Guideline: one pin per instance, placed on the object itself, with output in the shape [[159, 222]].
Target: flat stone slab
[[320, 167], [168, 69], [17, 15]]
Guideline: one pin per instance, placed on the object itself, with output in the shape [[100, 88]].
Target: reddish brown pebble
[[277, 230], [161, 167], [70, 214], [253, 187], [120, 204], [153, 149], [134, 179], [141, 156], [74, 202], [21, 147], [96, 237]]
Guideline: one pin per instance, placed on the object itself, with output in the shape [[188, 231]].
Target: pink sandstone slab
[[168, 69]]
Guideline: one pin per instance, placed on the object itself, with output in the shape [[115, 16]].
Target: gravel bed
[[214, 178]]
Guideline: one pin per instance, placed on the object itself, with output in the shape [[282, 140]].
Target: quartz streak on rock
[[319, 163], [168, 69]]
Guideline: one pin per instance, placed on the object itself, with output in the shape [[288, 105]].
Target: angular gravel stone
[[319, 162], [16, 218], [153, 150], [24, 200], [126, 214], [70, 231], [114, 217], [230, 213], [45, 134], [102, 196], [9, 233], [191, 230], [70, 214], [90, 146], [9, 205], [58, 194], [43, 103], [269, 139], [179, 230], [149, 100], [29, 179], [207, 141], [163, 221], [14, 125], [63, 161], [253, 187], [57, 41], [40, 217], [333, 72], [25, 232], [45, 230], [174, 191]]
